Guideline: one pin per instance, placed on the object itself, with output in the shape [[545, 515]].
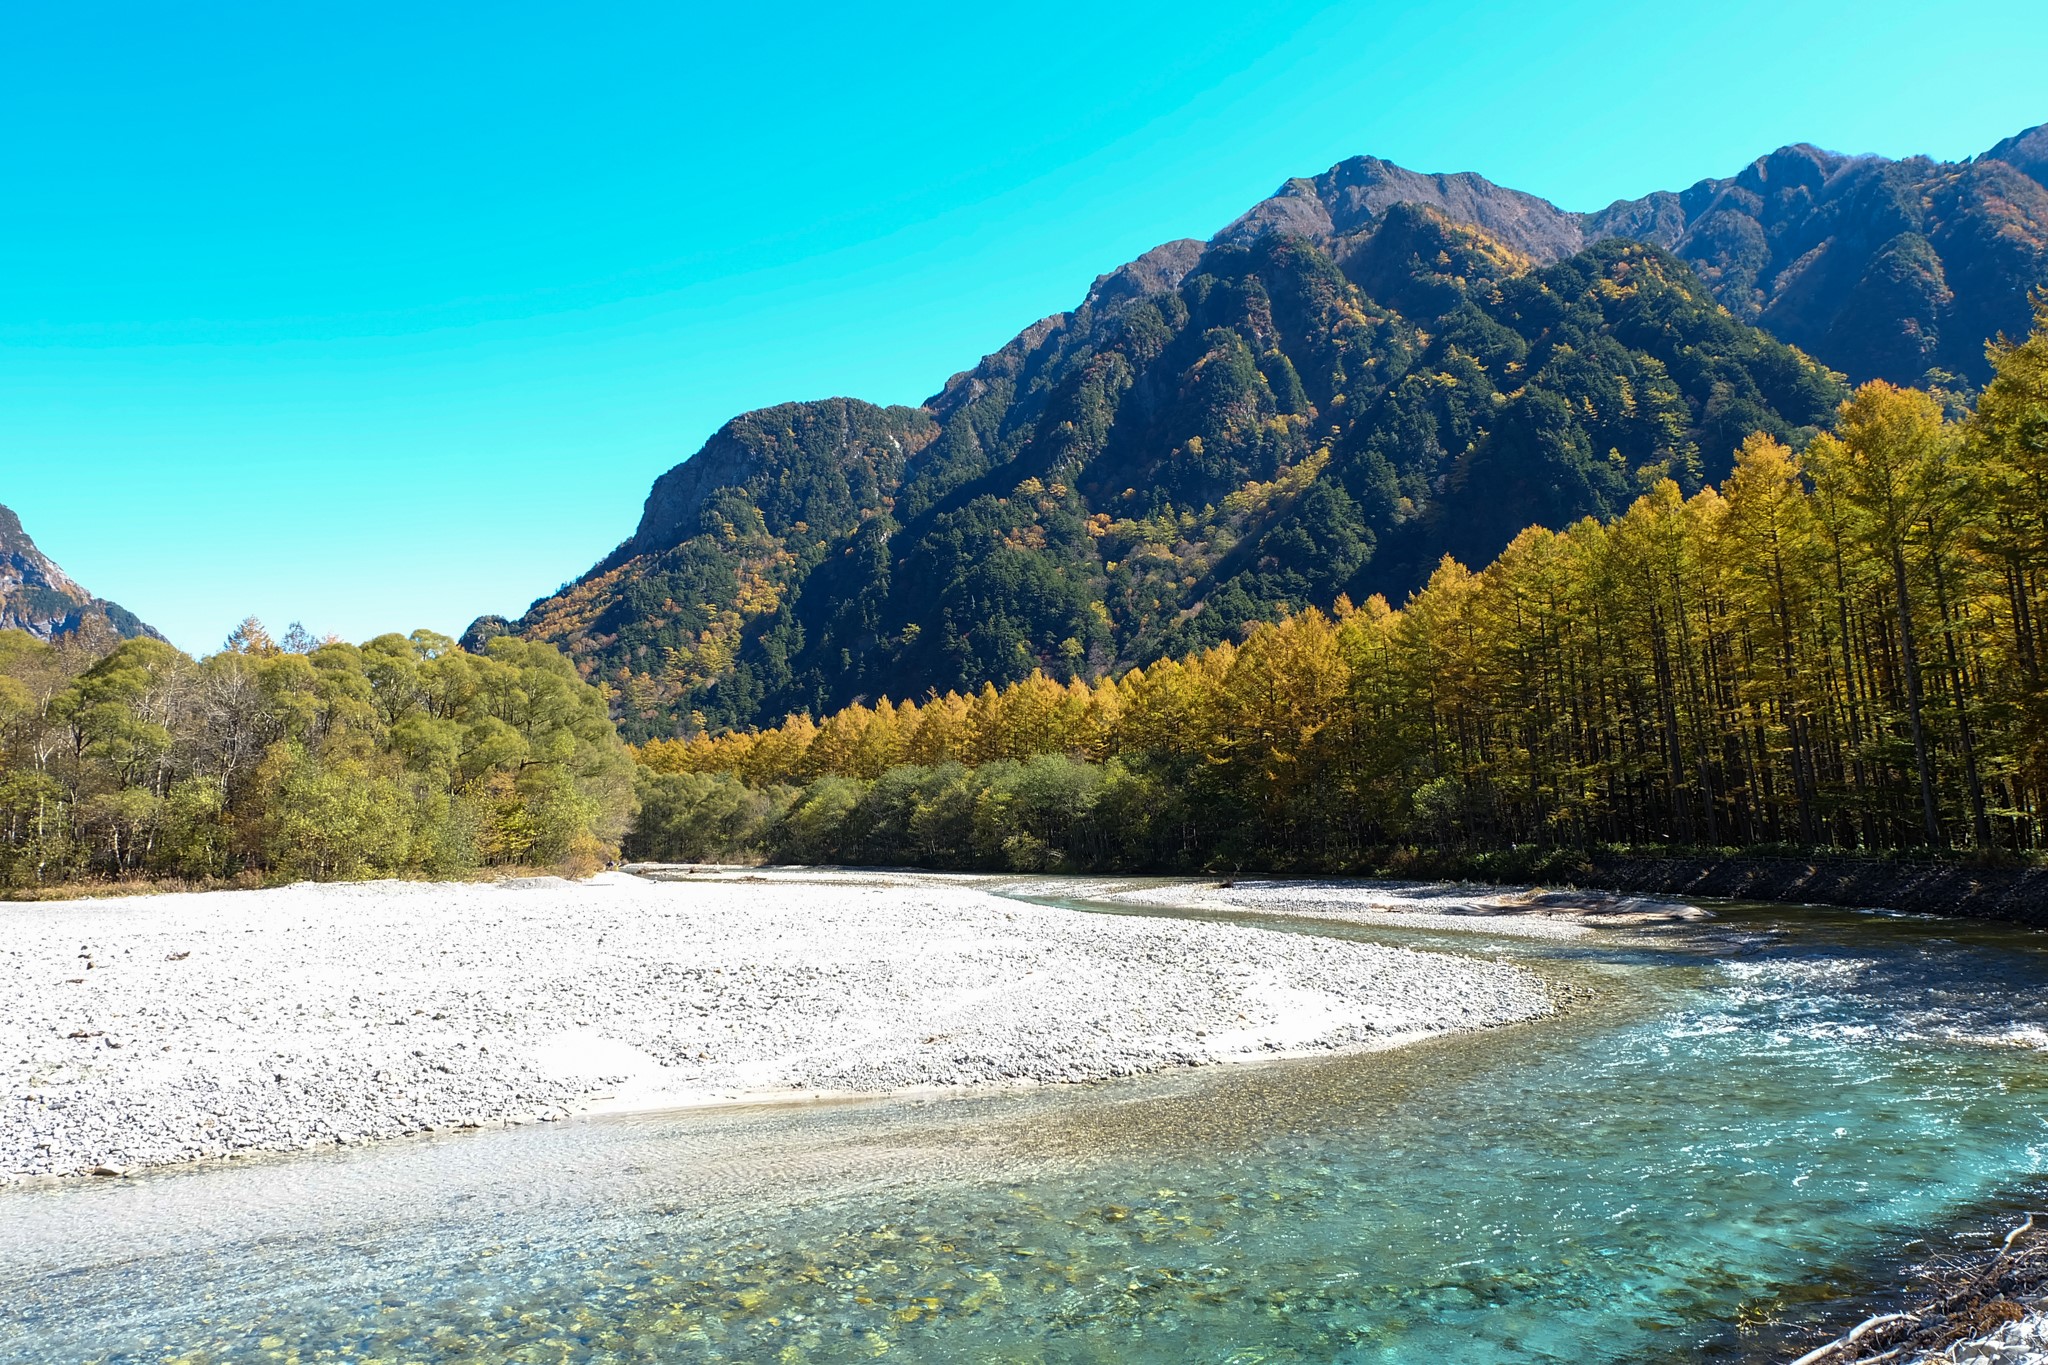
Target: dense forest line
[[1838, 647], [300, 759]]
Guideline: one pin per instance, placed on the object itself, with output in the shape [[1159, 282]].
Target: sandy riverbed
[[161, 1029]]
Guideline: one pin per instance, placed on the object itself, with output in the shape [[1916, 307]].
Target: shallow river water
[[1747, 1122]]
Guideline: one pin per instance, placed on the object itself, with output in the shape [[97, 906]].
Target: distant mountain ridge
[[2027, 152], [40, 598], [1882, 269], [1367, 371]]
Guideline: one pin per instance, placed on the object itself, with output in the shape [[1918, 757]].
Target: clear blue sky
[[382, 316]]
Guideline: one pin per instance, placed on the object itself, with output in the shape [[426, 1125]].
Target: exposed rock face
[[40, 598]]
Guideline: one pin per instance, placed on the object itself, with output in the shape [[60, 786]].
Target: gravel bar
[[1517, 912], [152, 1030]]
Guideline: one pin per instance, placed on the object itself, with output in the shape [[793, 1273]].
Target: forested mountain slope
[[2028, 151], [1216, 435], [40, 598], [1839, 649], [1368, 371]]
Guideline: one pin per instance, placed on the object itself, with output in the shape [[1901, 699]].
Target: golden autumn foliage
[[1834, 649]]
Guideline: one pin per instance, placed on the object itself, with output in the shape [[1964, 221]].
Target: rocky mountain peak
[[1158, 271], [1881, 268], [1351, 195], [40, 598]]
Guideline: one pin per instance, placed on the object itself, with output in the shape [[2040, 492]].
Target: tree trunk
[[1911, 658]]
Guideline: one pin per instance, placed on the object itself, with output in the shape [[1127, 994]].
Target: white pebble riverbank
[[159, 1029], [1518, 912]]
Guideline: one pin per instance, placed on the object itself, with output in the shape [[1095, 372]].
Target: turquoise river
[[1741, 1131]]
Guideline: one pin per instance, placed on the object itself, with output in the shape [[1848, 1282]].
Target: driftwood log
[[1971, 1296]]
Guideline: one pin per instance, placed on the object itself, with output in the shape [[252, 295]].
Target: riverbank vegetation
[[269, 761], [1838, 648]]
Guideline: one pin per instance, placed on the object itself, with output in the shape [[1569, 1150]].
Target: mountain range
[[40, 598], [1881, 269], [1368, 370]]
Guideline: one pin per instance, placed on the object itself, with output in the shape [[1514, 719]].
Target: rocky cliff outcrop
[[40, 598]]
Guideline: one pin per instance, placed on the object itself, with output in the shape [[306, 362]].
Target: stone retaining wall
[[2019, 895]]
